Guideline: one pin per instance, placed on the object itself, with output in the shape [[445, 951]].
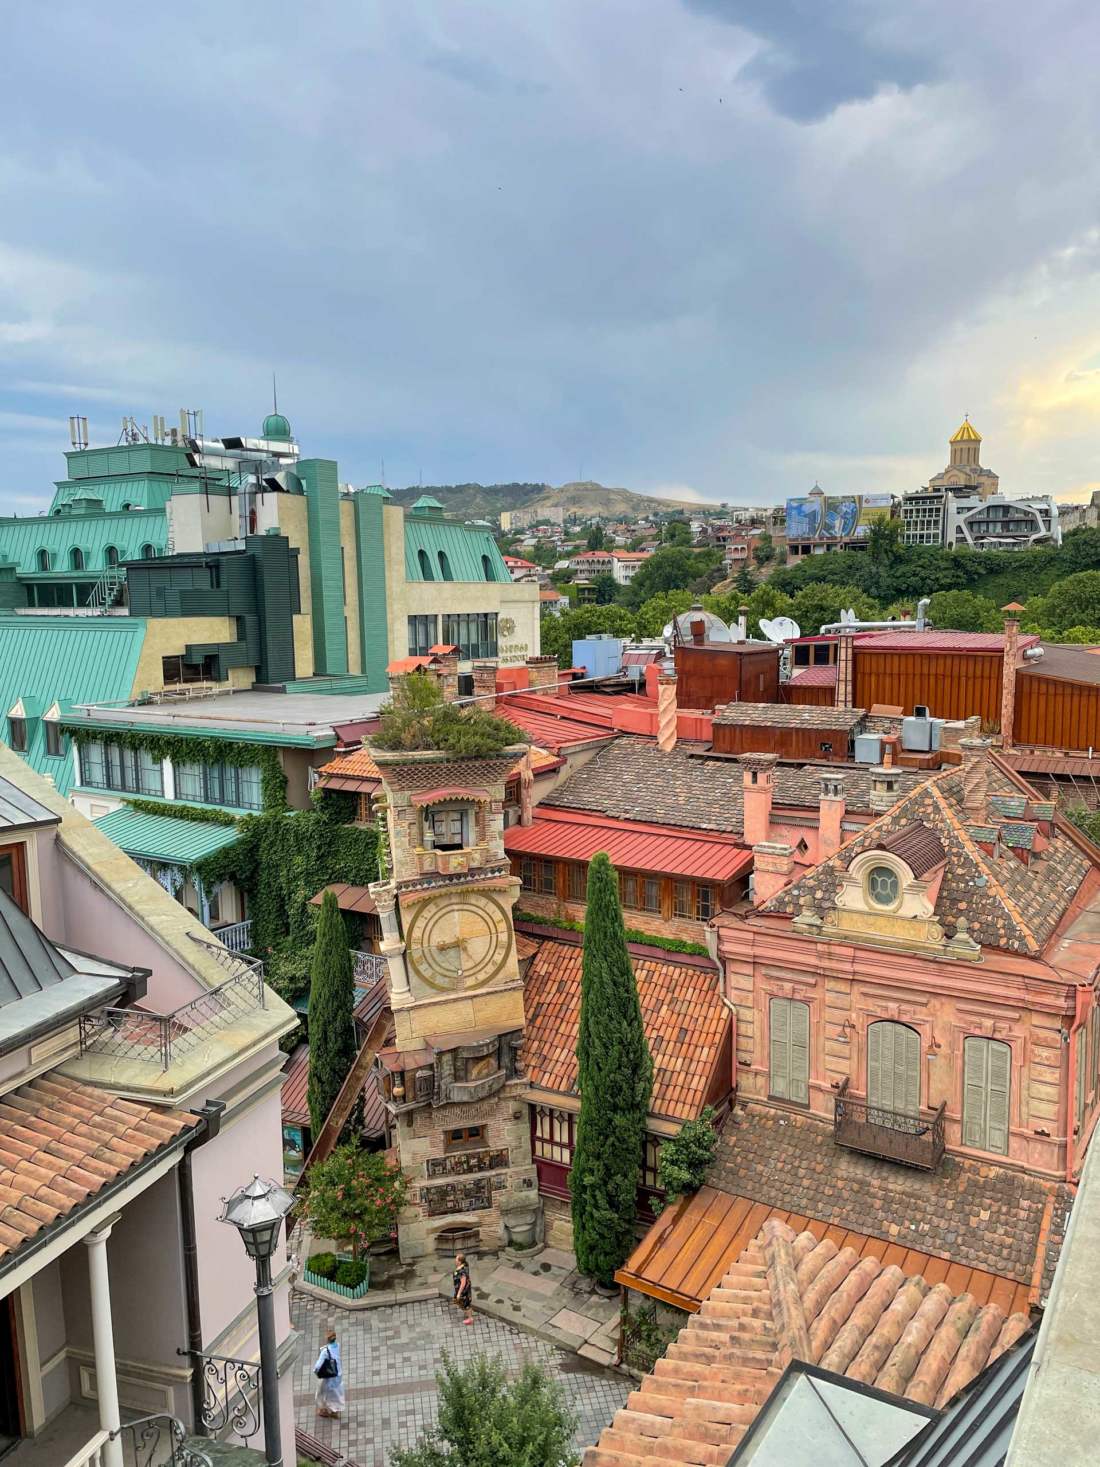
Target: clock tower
[[453, 1081]]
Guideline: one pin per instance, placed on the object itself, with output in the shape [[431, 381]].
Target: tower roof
[[276, 428], [966, 433]]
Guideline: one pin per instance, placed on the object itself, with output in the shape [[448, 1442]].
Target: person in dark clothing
[[464, 1289]]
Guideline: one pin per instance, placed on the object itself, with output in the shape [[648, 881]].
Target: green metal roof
[[164, 838], [276, 428], [66, 659], [463, 545], [128, 530]]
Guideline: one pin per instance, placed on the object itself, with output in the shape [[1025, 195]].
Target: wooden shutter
[[997, 1113], [789, 1038], [975, 1092], [800, 1052], [893, 1067], [1079, 1087]]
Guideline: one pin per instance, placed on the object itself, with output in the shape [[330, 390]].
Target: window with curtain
[[108, 766], [987, 1075], [789, 1050], [893, 1067], [473, 633], [578, 882], [219, 784], [422, 635]]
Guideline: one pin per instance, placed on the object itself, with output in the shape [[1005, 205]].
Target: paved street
[[390, 1359]]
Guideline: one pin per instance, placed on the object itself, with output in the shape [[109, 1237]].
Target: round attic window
[[882, 886]]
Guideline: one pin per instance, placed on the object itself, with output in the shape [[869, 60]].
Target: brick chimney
[[975, 776], [526, 790], [757, 775], [891, 747], [666, 712], [830, 816], [447, 674], [543, 672], [885, 788], [772, 869], [1008, 680], [845, 657], [484, 675]]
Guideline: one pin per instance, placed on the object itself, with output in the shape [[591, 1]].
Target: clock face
[[459, 941]]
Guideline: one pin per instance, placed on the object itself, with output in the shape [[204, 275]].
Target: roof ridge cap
[[978, 857], [789, 1317]]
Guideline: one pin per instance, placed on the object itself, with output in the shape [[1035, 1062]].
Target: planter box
[[340, 1290]]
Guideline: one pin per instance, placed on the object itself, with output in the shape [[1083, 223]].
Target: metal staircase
[[107, 590]]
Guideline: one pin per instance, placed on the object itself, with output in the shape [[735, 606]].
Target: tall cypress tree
[[615, 1075], [332, 1046]]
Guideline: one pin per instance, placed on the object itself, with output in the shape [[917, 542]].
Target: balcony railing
[[92, 1453], [160, 1039], [368, 967], [911, 1140], [237, 937], [232, 1396]]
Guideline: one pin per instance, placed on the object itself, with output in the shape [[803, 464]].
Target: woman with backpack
[[330, 1379]]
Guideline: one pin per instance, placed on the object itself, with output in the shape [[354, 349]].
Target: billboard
[[841, 517]]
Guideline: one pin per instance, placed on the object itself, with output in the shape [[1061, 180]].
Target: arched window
[[425, 565], [883, 886], [148, 552], [110, 555], [893, 1067], [444, 567], [487, 568], [76, 558], [987, 1073], [43, 560]]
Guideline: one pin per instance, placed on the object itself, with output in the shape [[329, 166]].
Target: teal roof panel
[[75, 659], [469, 553], [164, 837], [22, 538]]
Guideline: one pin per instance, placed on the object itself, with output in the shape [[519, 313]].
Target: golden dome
[[966, 433]]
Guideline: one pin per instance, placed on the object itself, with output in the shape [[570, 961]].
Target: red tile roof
[[686, 1024], [814, 677], [791, 1296], [358, 771], [575, 835], [61, 1143]]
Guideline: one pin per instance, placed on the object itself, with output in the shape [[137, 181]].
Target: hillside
[[485, 501]]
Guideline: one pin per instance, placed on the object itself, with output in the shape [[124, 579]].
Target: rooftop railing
[[911, 1140]]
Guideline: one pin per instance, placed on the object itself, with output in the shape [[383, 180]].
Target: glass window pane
[[249, 788], [189, 781], [92, 767]]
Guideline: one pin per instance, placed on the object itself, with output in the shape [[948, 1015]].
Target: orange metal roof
[[945, 641], [348, 898], [551, 729], [61, 1143], [575, 835], [686, 1023]]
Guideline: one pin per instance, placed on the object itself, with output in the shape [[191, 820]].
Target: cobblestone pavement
[[390, 1358]]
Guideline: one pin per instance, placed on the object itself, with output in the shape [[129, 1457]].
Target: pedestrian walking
[[330, 1378], [464, 1288]]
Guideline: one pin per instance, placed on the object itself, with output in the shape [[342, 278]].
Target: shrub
[[416, 718], [351, 1272], [324, 1265], [354, 1195], [684, 1158]]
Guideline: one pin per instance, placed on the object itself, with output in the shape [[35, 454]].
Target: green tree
[[964, 611], [417, 717], [615, 1078], [744, 580], [1074, 602], [656, 613], [354, 1196], [607, 589], [822, 602], [487, 1420], [674, 568], [596, 538], [884, 539], [763, 548], [332, 1046], [676, 532], [684, 1158]]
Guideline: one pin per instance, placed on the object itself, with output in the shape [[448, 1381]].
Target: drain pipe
[[211, 1118]]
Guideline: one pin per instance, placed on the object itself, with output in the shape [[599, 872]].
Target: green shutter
[[975, 1093], [1000, 1075], [1079, 1087], [779, 1083], [800, 1052], [893, 1067], [789, 1050], [874, 1064]]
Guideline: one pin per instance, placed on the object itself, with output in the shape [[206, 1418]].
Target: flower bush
[[354, 1197]]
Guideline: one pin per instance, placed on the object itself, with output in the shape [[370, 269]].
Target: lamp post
[[257, 1212]]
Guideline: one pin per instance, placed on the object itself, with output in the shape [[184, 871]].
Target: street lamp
[[257, 1212]]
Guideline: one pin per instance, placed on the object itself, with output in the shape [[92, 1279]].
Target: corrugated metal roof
[[81, 659], [550, 730], [572, 835], [944, 641], [463, 545], [17, 809], [164, 837]]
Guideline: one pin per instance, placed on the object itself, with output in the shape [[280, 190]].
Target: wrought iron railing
[[643, 1339], [232, 1400], [158, 1441], [368, 967], [912, 1140], [160, 1039]]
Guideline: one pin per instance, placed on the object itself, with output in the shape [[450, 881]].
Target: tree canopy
[[418, 718], [332, 1044]]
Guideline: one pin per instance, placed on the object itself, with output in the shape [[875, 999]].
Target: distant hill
[[485, 501]]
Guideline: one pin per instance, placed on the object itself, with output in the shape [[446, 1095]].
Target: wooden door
[[987, 1070], [893, 1068]]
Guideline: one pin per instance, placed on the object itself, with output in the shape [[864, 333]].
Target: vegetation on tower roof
[[418, 719]]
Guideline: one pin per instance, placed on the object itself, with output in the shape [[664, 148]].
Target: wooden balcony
[[915, 1141]]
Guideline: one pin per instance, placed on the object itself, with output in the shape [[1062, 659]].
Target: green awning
[[165, 838]]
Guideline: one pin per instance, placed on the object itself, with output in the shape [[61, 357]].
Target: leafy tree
[[417, 717], [659, 610], [676, 532], [744, 580], [1081, 636], [884, 540], [817, 604], [964, 611], [596, 538], [674, 568], [558, 633], [1073, 602], [615, 1078], [487, 1420], [763, 550], [354, 1196], [607, 589], [684, 1158], [781, 555], [332, 1046], [764, 601]]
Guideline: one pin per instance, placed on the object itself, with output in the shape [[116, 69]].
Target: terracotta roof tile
[[359, 765], [79, 1140], [686, 1024], [791, 1296]]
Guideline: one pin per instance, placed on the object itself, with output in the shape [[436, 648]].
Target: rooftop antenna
[[383, 471], [78, 432], [274, 394]]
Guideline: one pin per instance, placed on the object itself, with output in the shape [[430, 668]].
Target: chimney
[[447, 674], [885, 788], [830, 816], [1008, 680], [666, 712], [975, 776], [698, 632], [891, 745], [543, 672], [526, 787], [845, 655], [757, 775], [743, 623], [772, 869], [484, 675]]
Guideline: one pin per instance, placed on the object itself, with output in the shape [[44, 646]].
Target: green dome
[[276, 428]]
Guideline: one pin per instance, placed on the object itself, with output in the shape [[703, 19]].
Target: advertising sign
[[842, 517]]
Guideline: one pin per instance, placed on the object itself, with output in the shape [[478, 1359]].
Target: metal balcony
[[910, 1140]]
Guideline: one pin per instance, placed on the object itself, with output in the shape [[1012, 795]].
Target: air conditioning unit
[[868, 749], [920, 734]]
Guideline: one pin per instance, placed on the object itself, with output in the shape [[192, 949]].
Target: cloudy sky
[[718, 246]]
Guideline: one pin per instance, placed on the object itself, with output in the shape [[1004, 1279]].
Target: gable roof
[[574, 835], [1005, 904], [29, 962], [687, 1026], [792, 1297]]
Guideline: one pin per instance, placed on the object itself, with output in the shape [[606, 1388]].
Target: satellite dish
[[716, 629], [780, 628]]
